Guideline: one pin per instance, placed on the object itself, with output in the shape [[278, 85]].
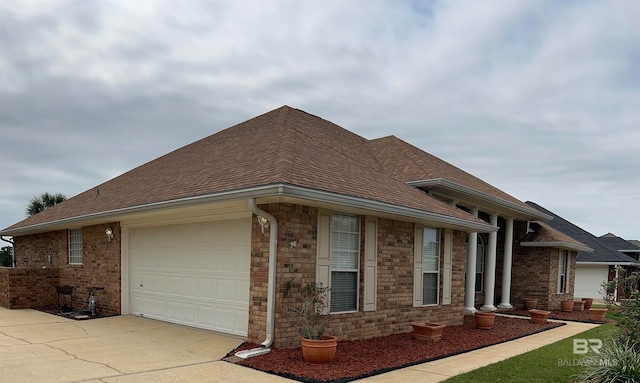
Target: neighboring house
[[215, 234], [625, 247], [597, 266]]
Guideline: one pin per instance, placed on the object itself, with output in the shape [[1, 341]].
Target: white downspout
[[271, 280]]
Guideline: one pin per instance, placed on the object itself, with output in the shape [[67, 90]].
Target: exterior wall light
[[109, 233], [263, 223]]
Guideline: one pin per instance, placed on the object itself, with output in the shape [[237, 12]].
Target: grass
[[551, 363]]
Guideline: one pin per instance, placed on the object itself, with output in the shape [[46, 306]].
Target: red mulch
[[574, 316], [362, 358]]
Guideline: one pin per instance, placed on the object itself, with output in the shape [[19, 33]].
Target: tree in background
[[43, 202], [6, 259]]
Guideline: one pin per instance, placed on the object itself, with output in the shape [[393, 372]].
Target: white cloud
[[538, 98]]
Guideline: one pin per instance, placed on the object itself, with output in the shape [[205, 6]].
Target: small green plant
[[311, 313], [630, 313], [617, 362]]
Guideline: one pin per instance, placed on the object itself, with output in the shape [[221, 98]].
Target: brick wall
[[100, 263], [535, 274], [23, 288], [296, 266]]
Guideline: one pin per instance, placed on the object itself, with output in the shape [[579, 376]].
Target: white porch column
[[490, 267], [470, 281], [506, 266]]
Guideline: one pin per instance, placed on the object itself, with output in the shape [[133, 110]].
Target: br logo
[[582, 346]]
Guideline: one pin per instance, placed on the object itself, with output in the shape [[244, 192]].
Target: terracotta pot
[[566, 305], [427, 331], [485, 319], [539, 316], [530, 303], [597, 315], [587, 303], [319, 351]]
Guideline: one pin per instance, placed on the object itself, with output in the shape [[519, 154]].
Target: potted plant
[[428, 331], [539, 316], [597, 314], [485, 319], [311, 315], [566, 305], [587, 303], [530, 303]]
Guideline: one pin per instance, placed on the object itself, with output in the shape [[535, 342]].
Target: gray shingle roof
[[601, 252]]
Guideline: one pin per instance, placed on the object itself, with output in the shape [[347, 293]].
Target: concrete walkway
[[39, 347]]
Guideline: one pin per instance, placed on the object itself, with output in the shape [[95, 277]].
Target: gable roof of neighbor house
[[617, 243], [543, 235], [601, 254], [285, 152]]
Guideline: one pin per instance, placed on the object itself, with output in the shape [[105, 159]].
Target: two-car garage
[[196, 274]]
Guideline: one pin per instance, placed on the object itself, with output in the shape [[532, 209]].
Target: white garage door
[[588, 281], [193, 274]]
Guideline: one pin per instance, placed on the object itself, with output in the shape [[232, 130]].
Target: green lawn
[[544, 365]]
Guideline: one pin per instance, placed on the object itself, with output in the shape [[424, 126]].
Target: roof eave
[[441, 183], [558, 244], [607, 263], [270, 190]]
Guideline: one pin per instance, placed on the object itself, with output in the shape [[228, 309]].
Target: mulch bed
[[362, 358], [574, 316]]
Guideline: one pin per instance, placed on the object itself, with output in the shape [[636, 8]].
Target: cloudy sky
[[538, 98]]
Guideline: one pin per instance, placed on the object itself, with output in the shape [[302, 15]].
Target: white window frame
[[563, 275], [335, 253], [436, 260], [75, 246]]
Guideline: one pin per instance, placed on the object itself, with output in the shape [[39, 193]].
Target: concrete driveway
[[39, 347]]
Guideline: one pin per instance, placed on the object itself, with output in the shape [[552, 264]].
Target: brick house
[[598, 265], [214, 234]]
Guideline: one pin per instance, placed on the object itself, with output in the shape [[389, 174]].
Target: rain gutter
[[264, 191], [271, 283]]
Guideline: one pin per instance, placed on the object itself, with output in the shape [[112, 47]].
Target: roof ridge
[[284, 163]]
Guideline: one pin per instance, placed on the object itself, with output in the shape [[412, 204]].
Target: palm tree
[[45, 201]]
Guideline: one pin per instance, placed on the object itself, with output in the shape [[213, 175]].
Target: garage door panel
[[225, 318], [205, 316], [242, 291], [189, 313], [190, 287], [207, 288], [207, 260], [193, 274]]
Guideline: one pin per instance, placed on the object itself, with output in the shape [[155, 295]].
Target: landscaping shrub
[[617, 362]]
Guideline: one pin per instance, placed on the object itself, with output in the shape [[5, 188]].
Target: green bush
[[630, 321], [617, 362]]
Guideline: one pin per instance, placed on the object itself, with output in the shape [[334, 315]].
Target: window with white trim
[[430, 266], [75, 246], [479, 264], [563, 271], [345, 262]]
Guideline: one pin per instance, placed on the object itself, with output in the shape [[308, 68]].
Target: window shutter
[[446, 269], [417, 267], [323, 251], [370, 263]]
